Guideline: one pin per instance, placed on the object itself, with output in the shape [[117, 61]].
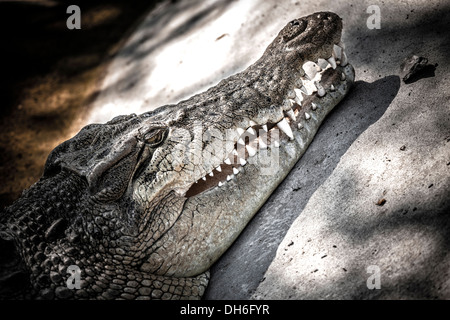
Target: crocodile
[[141, 206]]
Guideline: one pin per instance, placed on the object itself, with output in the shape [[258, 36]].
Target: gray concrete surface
[[321, 229]]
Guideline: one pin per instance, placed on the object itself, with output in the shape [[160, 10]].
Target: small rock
[[381, 202], [412, 68]]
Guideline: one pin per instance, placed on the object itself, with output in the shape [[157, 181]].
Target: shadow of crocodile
[[240, 270]]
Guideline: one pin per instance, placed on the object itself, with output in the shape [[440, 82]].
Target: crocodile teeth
[[298, 96], [262, 144], [313, 106], [337, 52], [304, 90], [311, 69], [320, 90], [211, 174], [299, 126], [242, 161], [344, 60], [332, 61], [219, 169], [264, 127], [230, 177], [204, 178], [291, 114], [322, 63], [227, 161], [284, 126], [332, 88], [251, 131], [291, 94], [241, 141], [343, 77], [307, 116], [220, 184], [234, 152], [240, 131], [235, 171], [250, 150], [276, 144]]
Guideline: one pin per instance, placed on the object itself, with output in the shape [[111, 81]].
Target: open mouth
[[302, 104]]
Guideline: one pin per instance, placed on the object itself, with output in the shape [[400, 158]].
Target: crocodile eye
[[295, 23], [155, 137]]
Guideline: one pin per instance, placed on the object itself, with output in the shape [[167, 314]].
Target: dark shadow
[[426, 72], [240, 270], [49, 76]]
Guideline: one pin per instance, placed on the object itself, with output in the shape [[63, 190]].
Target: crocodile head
[[161, 195]]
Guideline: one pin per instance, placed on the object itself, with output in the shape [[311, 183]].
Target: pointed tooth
[[264, 127], [313, 106], [242, 161], [298, 96], [230, 177], [220, 184], [284, 126], [251, 151], [211, 174], [262, 143], [227, 161], [291, 94], [219, 169], [240, 131], [343, 76], [241, 141], [344, 60], [291, 114], [252, 123], [276, 144], [299, 126], [307, 116], [332, 62], [251, 131], [234, 152], [320, 90], [310, 69], [290, 103], [204, 178], [235, 171], [304, 90], [332, 88], [337, 52], [322, 63]]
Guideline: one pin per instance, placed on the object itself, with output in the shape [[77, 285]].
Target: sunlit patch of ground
[[50, 77]]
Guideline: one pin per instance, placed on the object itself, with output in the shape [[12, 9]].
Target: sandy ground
[[322, 229], [50, 75]]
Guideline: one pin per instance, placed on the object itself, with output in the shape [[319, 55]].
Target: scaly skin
[[140, 203]]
